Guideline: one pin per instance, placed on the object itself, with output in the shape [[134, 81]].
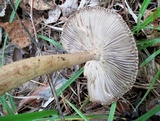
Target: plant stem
[[53, 89]]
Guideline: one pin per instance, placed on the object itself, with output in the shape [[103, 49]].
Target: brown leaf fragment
[[17, 33], [41, 4]]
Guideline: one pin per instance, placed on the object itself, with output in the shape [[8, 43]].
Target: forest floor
[[44, 21]]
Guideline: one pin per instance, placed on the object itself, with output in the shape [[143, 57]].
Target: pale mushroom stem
[[16, 73]]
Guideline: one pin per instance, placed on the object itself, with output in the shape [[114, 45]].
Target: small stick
[[53, 89], [31, 15], [126, 14]]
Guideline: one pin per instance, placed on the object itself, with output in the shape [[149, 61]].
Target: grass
[[43, 116], [10, 109], [149, 89], [6, 107], [142, 10], [6, 36], [70, 81], [149, 114], [77, 111], [143, 44], [57, 44], [151, 57], [150, 19], [112, 111], [29, 116]]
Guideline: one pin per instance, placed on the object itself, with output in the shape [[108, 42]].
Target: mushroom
[[102, 30], [97, 36]]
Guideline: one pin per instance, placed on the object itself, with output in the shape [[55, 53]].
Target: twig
[[31, 16], [126, 14], [53, 89], [53, 27]]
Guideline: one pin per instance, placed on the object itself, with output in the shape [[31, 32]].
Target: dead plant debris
[[56, 12], [17, 33]]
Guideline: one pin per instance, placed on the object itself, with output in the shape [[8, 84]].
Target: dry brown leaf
[[41, 4], [17, 33]]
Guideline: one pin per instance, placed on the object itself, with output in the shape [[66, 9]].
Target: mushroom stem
[[14, 74]]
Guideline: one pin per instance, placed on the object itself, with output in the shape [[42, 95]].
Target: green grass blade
[[142, 10], [6, 36], [51, 41], [12, 104], [150, 19], [76, 117], [149, 89], [112, 111], [2, 98], [147, 43], [152, 56], [5, 105], [71, 80], [85, 103], [77, 111], [28, 116], [95, 116], [142, 42], [152, 27], [13, 13], [149, 114]]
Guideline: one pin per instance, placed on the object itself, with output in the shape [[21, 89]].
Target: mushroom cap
[[96, 28]]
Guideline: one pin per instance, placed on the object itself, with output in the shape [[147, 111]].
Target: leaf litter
[[17, 33], [50, 15]]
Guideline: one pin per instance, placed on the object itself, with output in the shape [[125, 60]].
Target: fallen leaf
[[17, 33], [41, 4]]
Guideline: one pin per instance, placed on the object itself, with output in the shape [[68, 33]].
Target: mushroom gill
[[103, 30]]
